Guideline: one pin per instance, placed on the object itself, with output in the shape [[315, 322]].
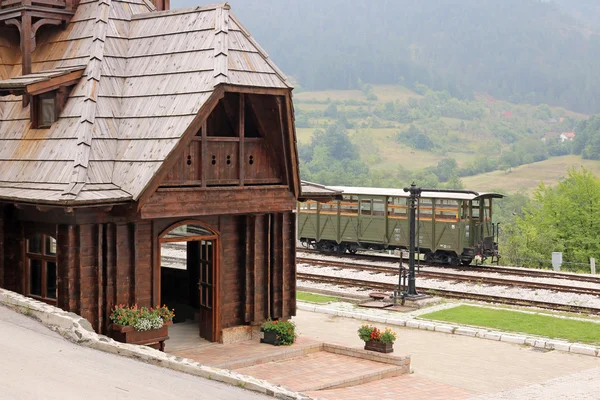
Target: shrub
[[285, 330]]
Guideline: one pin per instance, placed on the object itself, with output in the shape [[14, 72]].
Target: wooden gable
[[243, 146]]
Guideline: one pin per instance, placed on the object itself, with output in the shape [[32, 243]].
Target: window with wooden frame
[[475, 210], [330, 208], [349, 206], [425, 209], [41, 268], [46, 107], [446, 210], [365, 207], [379, 207], [397, 208]]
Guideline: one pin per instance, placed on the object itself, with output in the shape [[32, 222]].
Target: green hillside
[[400, 135]]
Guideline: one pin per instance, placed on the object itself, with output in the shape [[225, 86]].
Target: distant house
[[567, 136], [507, 114]]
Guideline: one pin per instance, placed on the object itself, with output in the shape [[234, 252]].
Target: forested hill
[[520, 50]]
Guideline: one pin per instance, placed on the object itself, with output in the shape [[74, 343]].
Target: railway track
[[338, 281], [535, 273], [453, 277]]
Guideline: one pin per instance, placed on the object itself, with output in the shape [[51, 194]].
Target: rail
[[58, 4]]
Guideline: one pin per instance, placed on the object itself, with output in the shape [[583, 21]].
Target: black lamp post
[[415, 193]]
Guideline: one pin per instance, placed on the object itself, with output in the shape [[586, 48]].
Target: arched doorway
[[189, 275]]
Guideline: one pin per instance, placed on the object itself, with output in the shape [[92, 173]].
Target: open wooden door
[[206, 289]]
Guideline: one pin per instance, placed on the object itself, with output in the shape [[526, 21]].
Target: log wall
[[102, 264]]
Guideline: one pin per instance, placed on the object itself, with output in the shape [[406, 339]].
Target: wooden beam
[[54, 83], [254, 90], [282, 131], [26, 49], [241, 150], [292, 144]]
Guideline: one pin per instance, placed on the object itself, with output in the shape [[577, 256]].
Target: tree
[[564, 218]]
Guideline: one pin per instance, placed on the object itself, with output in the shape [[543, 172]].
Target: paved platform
[[473, 365]]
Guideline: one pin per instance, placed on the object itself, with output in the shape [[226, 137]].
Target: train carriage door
[[447, 228], [348, 225], [397, 220], [372, 219], [307, 220], [328, 221], [426, 224]]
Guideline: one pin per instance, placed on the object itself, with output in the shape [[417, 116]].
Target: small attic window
[[44, 109]]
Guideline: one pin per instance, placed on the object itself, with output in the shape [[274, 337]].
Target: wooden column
[[204, 154], [1, 246], [110, 279], [142, 263], [276, 270], [242, 152], [249, 286]]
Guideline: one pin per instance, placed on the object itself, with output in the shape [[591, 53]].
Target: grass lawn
[[514, 321], [315, 298]]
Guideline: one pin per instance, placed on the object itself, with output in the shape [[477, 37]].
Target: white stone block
[[556, 345], [412, 323], [492, 335], [583, 349], [394, 321], [465, 331], [444, 328], [428, 326], [513, 339]]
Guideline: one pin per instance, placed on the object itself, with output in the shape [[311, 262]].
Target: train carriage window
[[397, 208], [379, 207], [349, 206], [425, 211], [365, 207], [329, 208], [464, 210], [475, 209], [487, 209], [446, 210]]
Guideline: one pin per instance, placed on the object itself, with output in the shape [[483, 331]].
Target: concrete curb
[[78, 330], [533, 341]]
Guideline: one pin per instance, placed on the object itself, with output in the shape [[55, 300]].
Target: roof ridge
[[88, 115], [221, 52], [178, 11], [261, 51]]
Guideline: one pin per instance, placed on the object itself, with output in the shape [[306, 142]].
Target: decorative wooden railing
[[53, 4]]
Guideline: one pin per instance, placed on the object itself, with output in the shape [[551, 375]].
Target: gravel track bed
[[504, 291], [394, 266]]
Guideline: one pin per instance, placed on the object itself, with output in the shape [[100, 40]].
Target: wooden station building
[[125, 127]]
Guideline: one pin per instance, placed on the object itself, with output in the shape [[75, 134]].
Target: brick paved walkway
[[406, 387], [319, 370]]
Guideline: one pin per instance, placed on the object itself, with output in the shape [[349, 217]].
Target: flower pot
[[270, 337], [379, 347], [154, 338]]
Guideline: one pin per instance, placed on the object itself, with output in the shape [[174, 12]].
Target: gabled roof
[[147, 75]]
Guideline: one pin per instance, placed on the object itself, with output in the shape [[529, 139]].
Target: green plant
[[285, 330], [369, 333], [141, 318]]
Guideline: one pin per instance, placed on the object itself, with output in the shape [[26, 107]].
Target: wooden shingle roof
[[147, 75]]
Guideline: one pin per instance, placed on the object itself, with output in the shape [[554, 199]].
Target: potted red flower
[[376, 340], [278, 332], [141, 325]]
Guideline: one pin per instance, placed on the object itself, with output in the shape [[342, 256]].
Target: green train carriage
[[453, 227]]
